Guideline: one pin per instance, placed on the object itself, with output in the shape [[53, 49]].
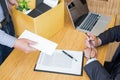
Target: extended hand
[[24, 45], [11, 3]]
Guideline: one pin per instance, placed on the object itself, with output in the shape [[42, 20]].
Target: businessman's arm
[[110, 35], [93, 68], [96, 71]]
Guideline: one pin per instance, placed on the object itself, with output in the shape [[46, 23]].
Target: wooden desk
[[20, 66]]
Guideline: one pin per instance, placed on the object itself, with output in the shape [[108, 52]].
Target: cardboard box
[[46, 24]]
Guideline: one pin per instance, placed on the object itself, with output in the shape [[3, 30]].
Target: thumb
[[16, 3], [31, 42]]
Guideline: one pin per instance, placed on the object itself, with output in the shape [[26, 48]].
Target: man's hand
[[90, 53], [92, 41], [11, 3], [24, 45]]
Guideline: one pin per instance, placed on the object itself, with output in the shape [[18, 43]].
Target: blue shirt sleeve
[[6, 39]]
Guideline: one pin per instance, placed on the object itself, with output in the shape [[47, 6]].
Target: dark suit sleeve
[[95, 71], [110, 35]]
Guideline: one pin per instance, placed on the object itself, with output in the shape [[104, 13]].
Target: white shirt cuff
[[100, 42], [91, 60]]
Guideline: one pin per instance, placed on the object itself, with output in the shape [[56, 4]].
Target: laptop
[[42, 6], [40, 9], [86, 21]]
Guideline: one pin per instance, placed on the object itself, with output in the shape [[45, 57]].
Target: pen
[[87, 35], [90, 45], [69, 55], [90, 41]]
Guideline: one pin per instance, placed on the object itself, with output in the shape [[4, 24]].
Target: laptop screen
[[78, 10]]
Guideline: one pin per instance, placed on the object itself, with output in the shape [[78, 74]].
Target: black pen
[[69, 55], [89, 37], [90, 41]]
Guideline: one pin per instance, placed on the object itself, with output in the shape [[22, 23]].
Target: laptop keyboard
[[89, 23]]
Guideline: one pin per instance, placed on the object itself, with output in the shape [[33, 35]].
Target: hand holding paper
[[42, 44], [24, 45]]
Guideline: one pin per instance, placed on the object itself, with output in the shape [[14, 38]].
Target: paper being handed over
[[42, 44]]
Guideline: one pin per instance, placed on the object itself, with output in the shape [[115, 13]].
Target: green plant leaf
[[23, 5]]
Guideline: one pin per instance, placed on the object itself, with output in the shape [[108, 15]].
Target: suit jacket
[[94, 69], [111, 35]]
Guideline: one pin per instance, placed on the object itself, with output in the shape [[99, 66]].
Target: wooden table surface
[[20, 66]]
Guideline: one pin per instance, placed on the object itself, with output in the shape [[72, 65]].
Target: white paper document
[[51, 3], [42, 44], [59, 62]]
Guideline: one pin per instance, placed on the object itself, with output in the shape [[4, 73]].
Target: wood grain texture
[[109, 7], [20, 66]]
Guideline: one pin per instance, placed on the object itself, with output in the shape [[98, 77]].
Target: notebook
[[86, 21], [61, 62]]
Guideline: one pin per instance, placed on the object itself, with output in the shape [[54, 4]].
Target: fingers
[[90, 52], [91, 36], [29, 49], [16, 3], [90, 40], [13, 2], [24, 45], [93, 53], [30, 42], [87, 53], [90, 44], [87, 43]]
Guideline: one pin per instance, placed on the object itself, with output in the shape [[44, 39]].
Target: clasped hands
[[91, 42]]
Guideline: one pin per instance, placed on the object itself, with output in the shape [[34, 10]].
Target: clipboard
[[61, 63]]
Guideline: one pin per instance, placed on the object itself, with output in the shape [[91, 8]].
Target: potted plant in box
[[23, 5]]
